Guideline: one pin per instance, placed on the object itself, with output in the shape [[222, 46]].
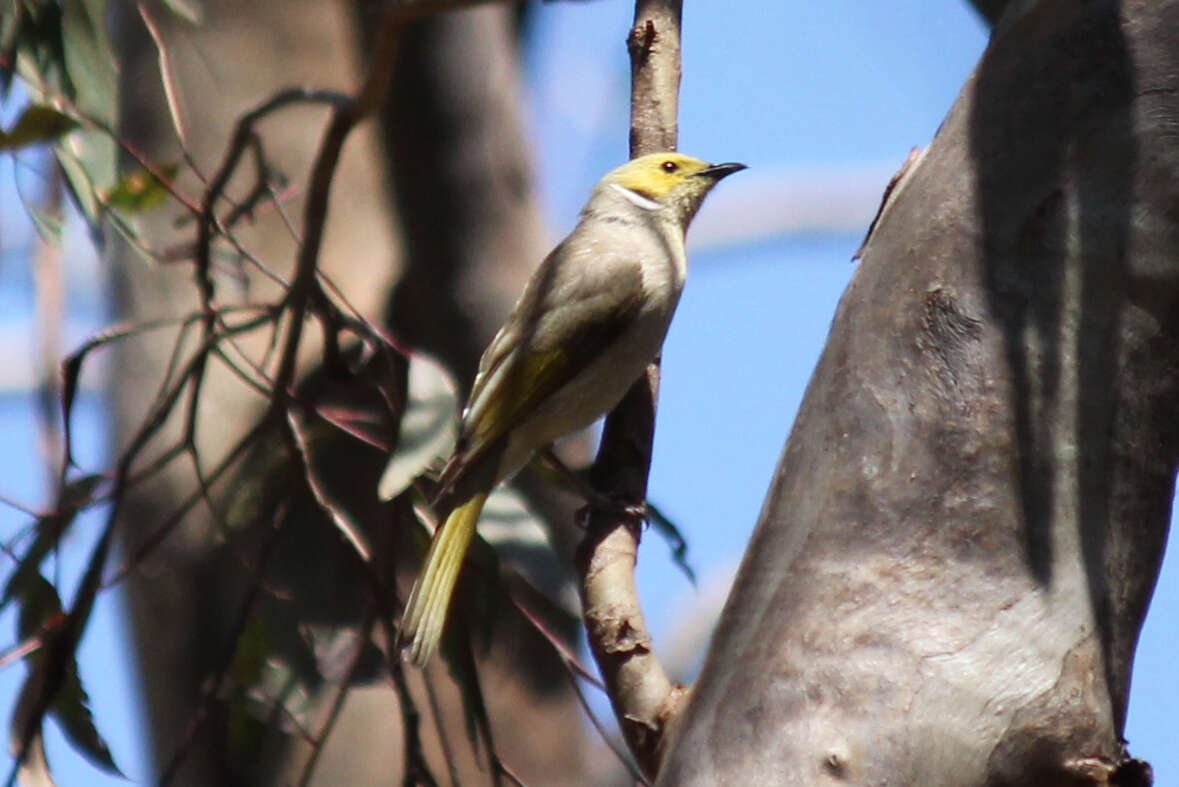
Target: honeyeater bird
[[591, 318]]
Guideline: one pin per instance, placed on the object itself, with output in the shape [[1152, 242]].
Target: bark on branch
[[645, 699]]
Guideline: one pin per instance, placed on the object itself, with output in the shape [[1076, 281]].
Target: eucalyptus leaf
[[279, 686], [31, 45], [81, 186], [519, 538], [70, 705], [49, 224], [71, 709], [90, 63], [429, 425], [139, 190], [190, 12], [90, 59], [50, 529], [36, 124]]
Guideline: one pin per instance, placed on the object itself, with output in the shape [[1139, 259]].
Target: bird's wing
[[560, 324]]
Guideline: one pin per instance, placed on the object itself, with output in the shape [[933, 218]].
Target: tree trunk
[[184, 598], [950, 572], [187, 598]]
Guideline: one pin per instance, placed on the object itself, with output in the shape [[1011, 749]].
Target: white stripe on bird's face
[[634, 198]]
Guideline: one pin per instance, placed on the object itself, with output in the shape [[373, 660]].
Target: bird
[[593, 315]]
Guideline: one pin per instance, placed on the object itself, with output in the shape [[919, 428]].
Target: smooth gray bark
[[949, 574]]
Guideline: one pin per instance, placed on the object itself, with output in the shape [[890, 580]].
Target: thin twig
[[213, 684], [335, 513], [506, 771], [171, 96], [417, 770], [153, 539], [440, 729], [345, 116], [333, 714], [645, 699], [567, 655], [22, 649], [603, 733]]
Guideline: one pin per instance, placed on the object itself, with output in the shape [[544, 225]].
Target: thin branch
[[563, 651], [512, 775], [345, 117], [333, 714], [304, 296], [19, 506], [645, 699], [603, 733], [21, 649], [417, 770], [166, 78], [654, 46], [243, 140], [154, 539], [332, 510], [440, 729], [213, 684]]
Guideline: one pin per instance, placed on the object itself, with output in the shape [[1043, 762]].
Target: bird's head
[[669, 181]]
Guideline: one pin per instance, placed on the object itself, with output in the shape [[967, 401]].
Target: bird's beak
[[718, 171]]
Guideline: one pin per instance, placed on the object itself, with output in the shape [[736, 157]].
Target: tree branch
[[645, 699]]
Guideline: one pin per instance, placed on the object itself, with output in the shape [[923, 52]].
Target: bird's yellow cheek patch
[[652, 185]]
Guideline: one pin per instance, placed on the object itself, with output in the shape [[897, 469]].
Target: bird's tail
[[425, 612]]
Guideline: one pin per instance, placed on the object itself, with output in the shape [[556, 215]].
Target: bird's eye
[[670, 166]]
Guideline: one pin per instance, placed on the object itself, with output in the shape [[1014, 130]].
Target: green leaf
[[245, 732], [140, 190], [30, 43], [250, 653], [674, 538], [274, 680], [519, 539], [49, 224], [429, 426], [89, 58], [70, 705], [50, 528], [36, 124], [335, 648], [90, 64], [81, 186], [71, 709], [190, 12], [39, 603]]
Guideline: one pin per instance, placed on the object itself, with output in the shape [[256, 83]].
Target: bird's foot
[[608, 506], [595, 501]]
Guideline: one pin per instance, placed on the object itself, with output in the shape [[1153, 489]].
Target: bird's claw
[[637, 512]]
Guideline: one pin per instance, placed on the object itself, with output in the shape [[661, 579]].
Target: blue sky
[[823, 101]]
